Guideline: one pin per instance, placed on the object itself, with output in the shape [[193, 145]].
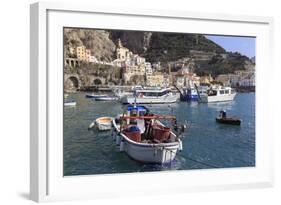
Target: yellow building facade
[[155, 80], [83, 54]]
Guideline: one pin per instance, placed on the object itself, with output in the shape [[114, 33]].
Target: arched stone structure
[[72, 82]]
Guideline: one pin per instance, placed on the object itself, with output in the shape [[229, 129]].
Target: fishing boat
[[229, 120], [189, 94], [102, 123], [70, 103], [150, 96], [121, 93], [107, 98], [218, 94], [222, 118], [144, 137], [92, 95]]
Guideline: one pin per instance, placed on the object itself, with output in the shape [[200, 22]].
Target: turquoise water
[[207, 144]]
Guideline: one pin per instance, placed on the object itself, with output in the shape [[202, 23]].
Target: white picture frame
[[46, 179]]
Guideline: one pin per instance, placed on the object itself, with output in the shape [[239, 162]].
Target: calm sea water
[[206, 144]]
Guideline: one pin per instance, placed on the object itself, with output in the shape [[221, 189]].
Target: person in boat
[[148, 124], [223, 114]]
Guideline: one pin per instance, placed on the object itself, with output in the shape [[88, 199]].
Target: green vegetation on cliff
[[219, 65], [172, 46]]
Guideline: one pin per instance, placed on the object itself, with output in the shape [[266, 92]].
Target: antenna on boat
[[198, 93], [135, 100]]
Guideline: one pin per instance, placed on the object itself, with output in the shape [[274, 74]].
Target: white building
[[250, 81], [148, 68], [93, 59], [138, 59]]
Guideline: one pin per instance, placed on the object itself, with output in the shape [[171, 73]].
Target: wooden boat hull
[[230, 121]]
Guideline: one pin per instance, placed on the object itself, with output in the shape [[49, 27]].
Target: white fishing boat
[[70, 103], [150, 96], [144, 138], [102, 123], [218, 94], [121, 93]]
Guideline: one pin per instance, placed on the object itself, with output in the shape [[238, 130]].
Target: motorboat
[[229, 120], [150, 96], [102, 123], [107, 98], [222, 118], [93, 95], [144, 137], [70, 103], [121, 93], [218, 94]]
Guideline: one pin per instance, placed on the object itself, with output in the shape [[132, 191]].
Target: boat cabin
[[220, 91], [152, 92]]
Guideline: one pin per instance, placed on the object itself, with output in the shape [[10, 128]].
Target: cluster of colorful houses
[[135, 66]]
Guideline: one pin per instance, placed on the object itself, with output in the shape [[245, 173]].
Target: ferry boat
[[218, 94], [150, 96], [144, 138]]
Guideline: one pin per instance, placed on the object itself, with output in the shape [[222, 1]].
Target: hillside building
[[83, 54]]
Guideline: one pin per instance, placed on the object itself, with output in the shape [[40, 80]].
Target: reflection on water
[[92, 152]]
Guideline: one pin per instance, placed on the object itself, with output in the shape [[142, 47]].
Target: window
[[221, 92], [226, 91]]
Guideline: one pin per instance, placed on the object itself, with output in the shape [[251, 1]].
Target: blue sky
[[243, 45]]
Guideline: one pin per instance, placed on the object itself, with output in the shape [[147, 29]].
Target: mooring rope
[[199, 162], [194, 160]]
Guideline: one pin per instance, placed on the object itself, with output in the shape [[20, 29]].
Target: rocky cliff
[[98, 41], [156, 47]]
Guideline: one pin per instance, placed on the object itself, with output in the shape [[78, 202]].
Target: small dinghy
[[102, 123], [227, 120], [92, 95], [70, 103], [107, 98]]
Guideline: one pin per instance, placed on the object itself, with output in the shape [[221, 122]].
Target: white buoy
[[122, 146]]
